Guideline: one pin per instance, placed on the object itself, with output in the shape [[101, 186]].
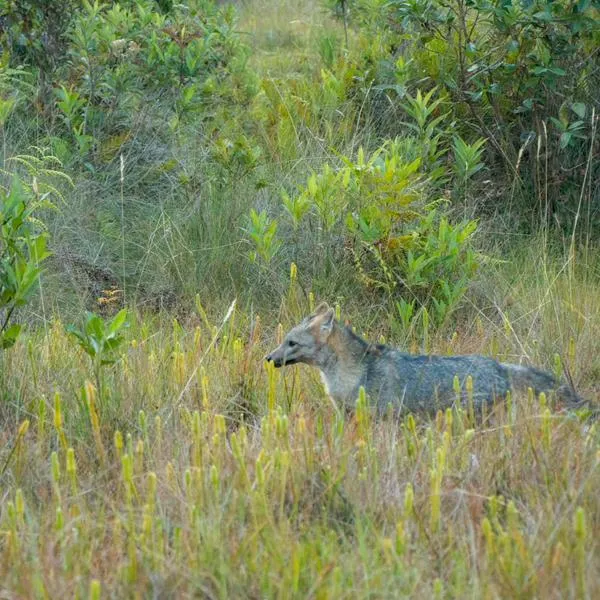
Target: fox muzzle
[[270, 358], [280, 358]]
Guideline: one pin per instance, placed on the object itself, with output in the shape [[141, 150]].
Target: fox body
[[406, 381]]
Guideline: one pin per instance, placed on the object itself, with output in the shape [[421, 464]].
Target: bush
[[33, 31], [23, 241], [377, 214], [126, 57], [523, 75]]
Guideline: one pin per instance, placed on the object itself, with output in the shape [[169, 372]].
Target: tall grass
[[200, 471]]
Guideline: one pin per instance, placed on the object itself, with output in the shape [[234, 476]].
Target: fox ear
[[322, 308], [327, 322]]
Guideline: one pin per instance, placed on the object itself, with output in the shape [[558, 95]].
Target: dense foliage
[[429, 167], [159, 109], [523, 75]]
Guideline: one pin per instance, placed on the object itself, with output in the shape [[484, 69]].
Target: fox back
[[407, 382]]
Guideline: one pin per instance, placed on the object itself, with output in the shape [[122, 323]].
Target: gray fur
[[406, 381]]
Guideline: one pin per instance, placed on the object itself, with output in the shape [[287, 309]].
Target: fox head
[[305, 342]]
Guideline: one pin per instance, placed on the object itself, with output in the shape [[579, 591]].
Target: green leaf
[[38, 248], [579, 108], [118, 322], [549, 71], [312, 185], [9, 336], [94, 326], [82, 340], [111, 344], [565, 139], [559, 124], [545, 16]]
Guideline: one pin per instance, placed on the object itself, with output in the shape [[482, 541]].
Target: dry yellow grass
[[202, 473]]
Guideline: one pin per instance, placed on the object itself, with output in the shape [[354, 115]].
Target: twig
[[345, 16], [208, 348]]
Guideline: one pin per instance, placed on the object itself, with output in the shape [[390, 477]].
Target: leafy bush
[[263, 234], [106, 66], [523, 75], [290, 114], [34, 31], [378, 209], [27, 192], [22, 252], [100, 341], [126, 55]]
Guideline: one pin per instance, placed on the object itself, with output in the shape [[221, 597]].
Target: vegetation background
[[183, 181]]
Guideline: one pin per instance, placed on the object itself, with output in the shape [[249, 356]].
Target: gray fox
[[408, 382]]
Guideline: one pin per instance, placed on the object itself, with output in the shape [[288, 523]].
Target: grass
[[201, 472], [198, 471]]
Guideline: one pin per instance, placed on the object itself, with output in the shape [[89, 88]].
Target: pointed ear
[[327, 321], [322, 308]]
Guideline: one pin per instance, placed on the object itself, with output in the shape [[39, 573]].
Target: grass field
[[190, 468], [200, 472]]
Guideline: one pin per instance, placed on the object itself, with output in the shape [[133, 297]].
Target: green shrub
[[33, 31], [291, 114], [22, 252], [376, 211], [126, 55], [523, 75], [100, 341], [263, 234]]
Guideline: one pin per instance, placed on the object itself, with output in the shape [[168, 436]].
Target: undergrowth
[[196, 469], [201, 174]]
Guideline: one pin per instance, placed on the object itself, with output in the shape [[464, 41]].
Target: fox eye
[[292, 343]]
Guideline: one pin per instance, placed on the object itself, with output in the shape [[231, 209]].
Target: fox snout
[[282, 356], [276, 360]]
